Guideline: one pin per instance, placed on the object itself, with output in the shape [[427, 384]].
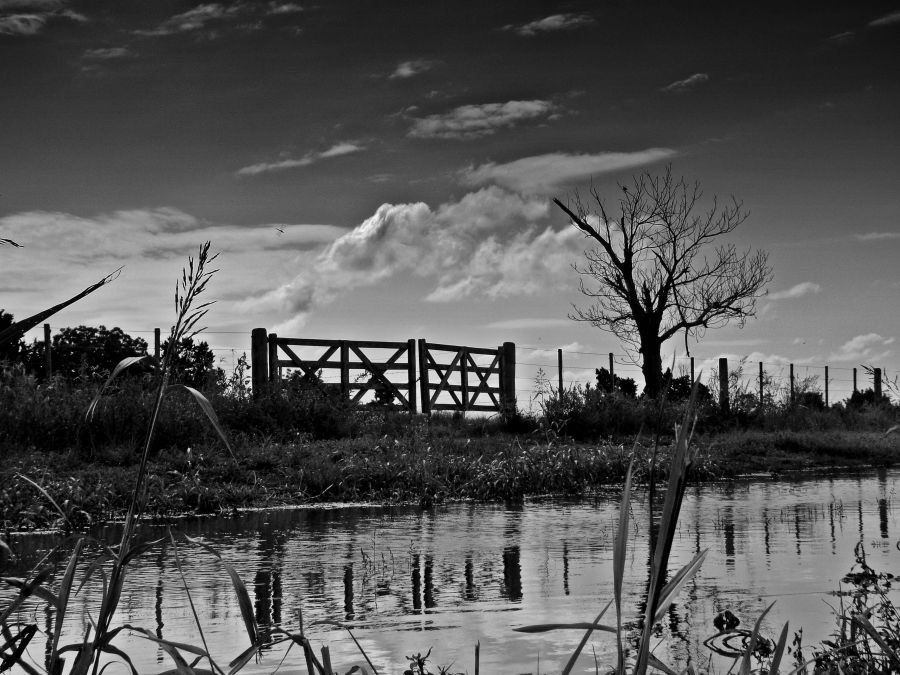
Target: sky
[[385, 171]]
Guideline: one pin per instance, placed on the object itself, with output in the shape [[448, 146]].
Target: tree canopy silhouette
[[655, 270]]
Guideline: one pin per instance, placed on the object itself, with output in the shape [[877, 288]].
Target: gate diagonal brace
[[310, 367], [484, 375], [445, 377], [378, 375]]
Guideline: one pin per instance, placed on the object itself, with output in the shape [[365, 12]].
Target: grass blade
[[673, 588], [127, 362], [619, 550], [779, 650], [754, 638], [65, 587], [584, 639], [207, 408]]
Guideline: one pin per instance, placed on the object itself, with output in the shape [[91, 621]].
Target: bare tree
[[654, 271]]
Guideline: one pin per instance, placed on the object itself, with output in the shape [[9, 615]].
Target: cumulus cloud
[[552, 23], [692, 82], [877, 236], [491, 243], [408, 69], [796, 291], [546, 174], [887, 20], [867, 347], [475, 121], [336, 150]]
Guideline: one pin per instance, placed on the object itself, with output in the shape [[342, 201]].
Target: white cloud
[[552, 23], [195, 19], [545, 174], [537, 354], [336, 150], [686, 84], [490, 243], [408, 69], [867, 347], [877, 236], [62, 252], [279, 8], [886, 20], [796, 291], [475, 121]]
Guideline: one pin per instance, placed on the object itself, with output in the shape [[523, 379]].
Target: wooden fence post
[[792, 385], [508, 377], [723, 384], [259, 360], [560, 369], [876, 375], [762, 392], [612, 374], [48, 356], [826, 386], [424, 390], [854, 380], [692, 371], [274, 371], [411, 375], [156, 343]]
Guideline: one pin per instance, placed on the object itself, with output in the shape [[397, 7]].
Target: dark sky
[[131, 130]]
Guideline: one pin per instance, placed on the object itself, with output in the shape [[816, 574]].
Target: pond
[[407, 580]]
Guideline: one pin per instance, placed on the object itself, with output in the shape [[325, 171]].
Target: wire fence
[[541, 370]]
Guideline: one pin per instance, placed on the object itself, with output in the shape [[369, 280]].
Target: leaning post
[[259, 360], [508, 377], [723, 384]]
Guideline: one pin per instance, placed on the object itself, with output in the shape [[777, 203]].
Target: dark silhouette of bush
[[86, 353], [195, 365], [867, 397], [625, 386], [9, 351]]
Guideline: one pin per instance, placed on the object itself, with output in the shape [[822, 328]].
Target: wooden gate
[[470, 386], [344, 356]]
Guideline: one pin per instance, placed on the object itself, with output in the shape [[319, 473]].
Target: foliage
[[625, 386], [11, 350], [194, 364], [85, 353], [652, 276]]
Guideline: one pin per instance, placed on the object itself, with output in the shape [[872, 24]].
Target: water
[[406, 580]]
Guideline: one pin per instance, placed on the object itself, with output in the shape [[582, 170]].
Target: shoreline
[[400, 471]]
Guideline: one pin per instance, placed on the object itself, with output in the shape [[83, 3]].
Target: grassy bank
[[422, 465]]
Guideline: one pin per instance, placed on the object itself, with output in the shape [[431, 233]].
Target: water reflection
[[475, 571]]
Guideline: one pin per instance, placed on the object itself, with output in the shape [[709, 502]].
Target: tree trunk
[[651, 367]]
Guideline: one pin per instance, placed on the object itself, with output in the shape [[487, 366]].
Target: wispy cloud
[[877, 236], [575, 347], [108, 53], [797, 291], [688, 83], [841, 38], [552, 23], [490, 244], [888, 19], [546, 174], [867, 347], [214, 15], [476, 121], [530, 322], [337, 150], [407, 69]]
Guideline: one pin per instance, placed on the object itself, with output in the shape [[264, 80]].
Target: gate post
[[274, 370], [723, 385], [508, 377], [876, 383], [345, 372], [424, 389], [411, 375], [259, 364]]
